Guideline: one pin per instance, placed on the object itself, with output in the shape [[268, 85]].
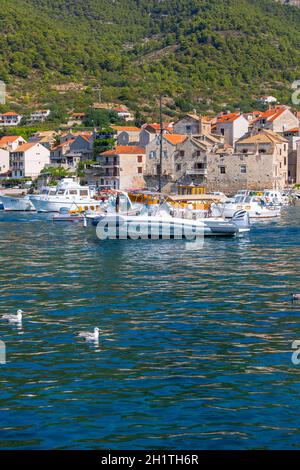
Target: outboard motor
[[242, 220]]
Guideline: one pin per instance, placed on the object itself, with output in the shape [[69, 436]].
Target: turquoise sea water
[[195, 348]]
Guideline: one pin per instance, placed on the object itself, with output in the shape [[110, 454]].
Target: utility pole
[[160, 144]]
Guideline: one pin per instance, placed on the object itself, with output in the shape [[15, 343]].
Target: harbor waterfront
[[199, 356]]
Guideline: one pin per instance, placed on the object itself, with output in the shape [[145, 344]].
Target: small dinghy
[[65, 216]]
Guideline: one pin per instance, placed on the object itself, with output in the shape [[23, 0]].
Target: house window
[[222, 170], [165, 154], [178, 167], [245, 150], [243, 169], [222, 131], [262, 151], [200, 166], [140, 170], [181, 153], [152, 154], [140, 159], [284, 161], [198, 153], [188, 129]]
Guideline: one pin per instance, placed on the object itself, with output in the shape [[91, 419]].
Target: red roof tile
[[125, 150], [230, 117]]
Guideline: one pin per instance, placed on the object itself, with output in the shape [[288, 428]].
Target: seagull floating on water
[[90, 336], [295, 297], [14, 318]]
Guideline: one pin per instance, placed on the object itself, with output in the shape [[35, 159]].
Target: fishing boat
[[255, 206], [17, 203], [68, 194]]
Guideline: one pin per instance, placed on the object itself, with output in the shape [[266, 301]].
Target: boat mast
[[160, 144]]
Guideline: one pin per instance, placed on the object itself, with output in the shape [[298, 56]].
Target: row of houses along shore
[[224, 153]]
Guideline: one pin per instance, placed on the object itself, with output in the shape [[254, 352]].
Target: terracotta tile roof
[[11, 113], [25, 147], [175, 139], [230, 117], [271, 114], [63, 144], [126, 128], [9, 138], [125, 150], [264, 136], [85, 136], [120, 110], [167, 126], [293, 130]]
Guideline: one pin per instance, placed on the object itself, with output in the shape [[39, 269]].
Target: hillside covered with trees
[[201, 53]]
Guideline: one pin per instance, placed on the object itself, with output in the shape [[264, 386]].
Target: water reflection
[[195, 347]]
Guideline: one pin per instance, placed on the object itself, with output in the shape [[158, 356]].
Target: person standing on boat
[[118, 203]]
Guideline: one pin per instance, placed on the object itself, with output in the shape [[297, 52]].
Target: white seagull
[[14, 318], [295, 297], [90, 336]]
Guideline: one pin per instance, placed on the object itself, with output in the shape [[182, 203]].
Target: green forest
[[200, 54]]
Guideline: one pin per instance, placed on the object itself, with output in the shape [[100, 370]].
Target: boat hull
[[17, 204], [42, 205], [228, 212], [147, 227]]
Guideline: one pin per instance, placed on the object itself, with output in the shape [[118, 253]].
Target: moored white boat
[[254, 205], [68, 195], [17, 203]]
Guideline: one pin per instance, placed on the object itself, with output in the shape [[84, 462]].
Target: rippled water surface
[[195, 347]]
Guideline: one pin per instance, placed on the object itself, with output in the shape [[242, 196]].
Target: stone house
[[278, 119], [169, 146], [59, 156], [259, 161], [191, 124], [294, 166], [149, 132], [232, 126], [127, 135], [292, 136], [123, 167]]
